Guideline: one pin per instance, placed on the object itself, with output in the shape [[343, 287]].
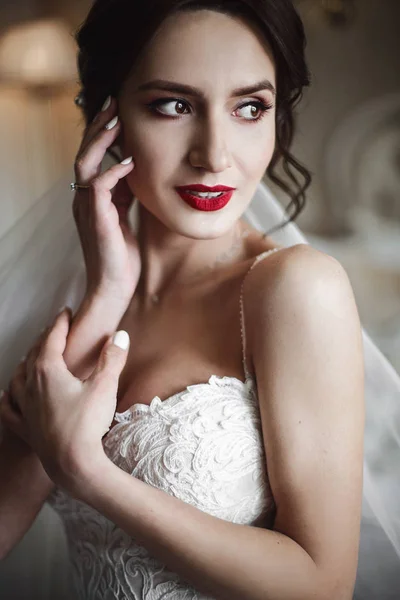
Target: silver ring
[[76, 186]]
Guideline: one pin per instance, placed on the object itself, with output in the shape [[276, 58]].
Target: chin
[[201, 228]]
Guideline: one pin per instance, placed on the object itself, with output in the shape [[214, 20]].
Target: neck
[[171, 262]]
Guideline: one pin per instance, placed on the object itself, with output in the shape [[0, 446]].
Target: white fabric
[[41, 269], [202, 445]]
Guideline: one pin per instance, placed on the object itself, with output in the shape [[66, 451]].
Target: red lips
[[206, 204]]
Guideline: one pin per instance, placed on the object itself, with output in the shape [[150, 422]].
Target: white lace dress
[[202, 445]]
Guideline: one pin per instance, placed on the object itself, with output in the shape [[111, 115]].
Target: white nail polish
[[121, 339], [106, 104], [112, 123], [127, 161]]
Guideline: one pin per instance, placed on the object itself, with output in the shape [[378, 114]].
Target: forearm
[[24, 488], [219, 558], [96, 319]]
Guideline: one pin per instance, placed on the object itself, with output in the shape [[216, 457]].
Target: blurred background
[[348, 136]]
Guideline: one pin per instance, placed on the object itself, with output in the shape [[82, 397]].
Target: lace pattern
[[203, 446]]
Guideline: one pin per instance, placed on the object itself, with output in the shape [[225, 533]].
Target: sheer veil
[[42, 269]]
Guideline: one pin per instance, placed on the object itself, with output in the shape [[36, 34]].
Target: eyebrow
[[188, 90]]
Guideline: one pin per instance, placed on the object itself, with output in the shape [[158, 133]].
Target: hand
[[63, 418], [110, 248], [10, 414]]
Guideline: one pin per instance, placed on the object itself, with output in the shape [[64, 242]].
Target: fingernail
[[127, 161], [112, 123], [106, 104], [121, 339]]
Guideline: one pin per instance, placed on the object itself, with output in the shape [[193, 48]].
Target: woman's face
[[218, 138]]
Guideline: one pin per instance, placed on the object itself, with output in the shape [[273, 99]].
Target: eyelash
[[258, 103]]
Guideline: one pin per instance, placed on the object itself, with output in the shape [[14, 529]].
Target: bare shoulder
[[300, 284], [295, 258], [293, 275]]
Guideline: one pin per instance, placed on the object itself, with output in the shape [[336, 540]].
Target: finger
[[111, 361], [105, 114], [17, 386], [101, 200], [123, 199], [88, 161], [107, 181], [34, 351], [54, 345], [12, 419]]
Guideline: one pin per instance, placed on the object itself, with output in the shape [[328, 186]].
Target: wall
[[349, 68]]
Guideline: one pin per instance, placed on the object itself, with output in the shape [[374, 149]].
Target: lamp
[[39, 54], [38, 119]]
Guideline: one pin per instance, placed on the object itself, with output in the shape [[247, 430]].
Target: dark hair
[[116, 31]]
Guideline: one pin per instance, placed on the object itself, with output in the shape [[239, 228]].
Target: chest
[[181, 345]]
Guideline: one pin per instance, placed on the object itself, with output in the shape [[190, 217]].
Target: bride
[[213, 447]]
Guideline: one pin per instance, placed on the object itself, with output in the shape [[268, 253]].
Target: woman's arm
[[96, 319], [112, 263], [307, 351], [24, 488], [20, 468], [109, 245]]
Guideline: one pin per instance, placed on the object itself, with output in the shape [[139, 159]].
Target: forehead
[[207, 49]]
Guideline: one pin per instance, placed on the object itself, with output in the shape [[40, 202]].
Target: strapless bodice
[[202, 445]]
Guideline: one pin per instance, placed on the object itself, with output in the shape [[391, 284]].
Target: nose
[[210, 150]]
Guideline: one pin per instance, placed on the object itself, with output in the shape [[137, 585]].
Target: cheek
[[268, 153], [151, 149], [155, 158], [257, 154], [268, 144]]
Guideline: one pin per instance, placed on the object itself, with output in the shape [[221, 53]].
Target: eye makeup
[[259, 104]]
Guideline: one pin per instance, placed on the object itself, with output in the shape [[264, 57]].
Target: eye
[[180, 105], [259, 106], [164, 101]]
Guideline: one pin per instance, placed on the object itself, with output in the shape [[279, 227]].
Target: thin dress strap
[[242, 325]]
